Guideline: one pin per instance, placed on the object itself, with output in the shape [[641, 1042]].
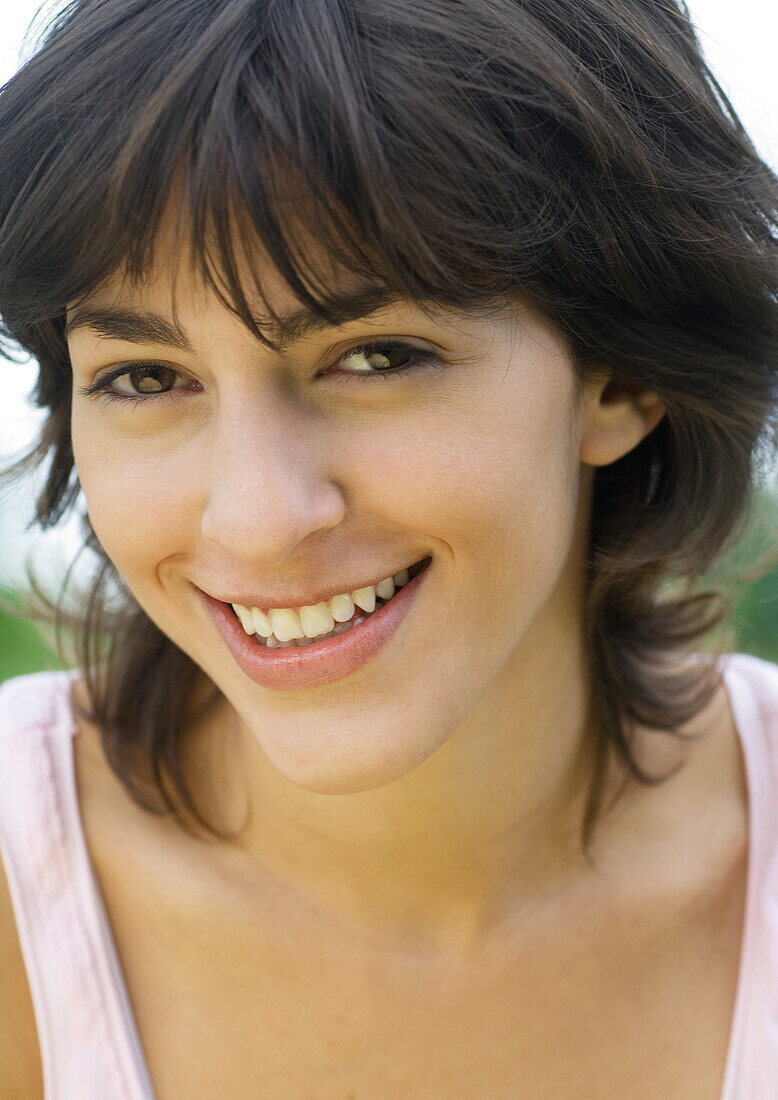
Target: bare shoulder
[[19, 1048], [688, 834]]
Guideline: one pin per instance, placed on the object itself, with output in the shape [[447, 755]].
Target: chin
[[345, 768]]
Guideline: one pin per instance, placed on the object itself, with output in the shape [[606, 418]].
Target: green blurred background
[[27, 648], [22, 648]]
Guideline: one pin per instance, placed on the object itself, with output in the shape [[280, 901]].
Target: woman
[[437, 342]]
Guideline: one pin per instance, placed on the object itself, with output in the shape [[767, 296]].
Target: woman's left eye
[[385, 359], [154, 381]]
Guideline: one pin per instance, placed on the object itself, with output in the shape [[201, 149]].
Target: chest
[[598, 997], [583, 1012]]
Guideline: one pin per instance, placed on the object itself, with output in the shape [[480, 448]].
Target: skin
[[425, 797]]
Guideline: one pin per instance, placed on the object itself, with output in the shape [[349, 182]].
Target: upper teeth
[[288, 623]]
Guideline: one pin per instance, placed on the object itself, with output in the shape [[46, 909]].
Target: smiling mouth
[[358, 616]]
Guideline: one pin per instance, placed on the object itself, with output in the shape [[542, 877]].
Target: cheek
[[493, 479], [139, 501]]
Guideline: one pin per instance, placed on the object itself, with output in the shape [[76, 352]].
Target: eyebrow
[[147, 327]]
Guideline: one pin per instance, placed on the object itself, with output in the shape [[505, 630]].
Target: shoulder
[[32, 702], [756, 669], [19, 1049], [39, 699], [752, 683]]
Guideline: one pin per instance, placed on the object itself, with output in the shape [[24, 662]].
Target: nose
[[267, 482]]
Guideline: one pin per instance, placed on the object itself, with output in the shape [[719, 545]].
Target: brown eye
[[138, 383], [152, 379], [378, 357], [383, 359]]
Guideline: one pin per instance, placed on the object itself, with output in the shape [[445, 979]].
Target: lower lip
[[295, 667]]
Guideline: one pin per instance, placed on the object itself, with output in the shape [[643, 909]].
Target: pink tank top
[[90, 1048]]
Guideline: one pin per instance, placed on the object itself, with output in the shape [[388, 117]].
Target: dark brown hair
[[578, 152]]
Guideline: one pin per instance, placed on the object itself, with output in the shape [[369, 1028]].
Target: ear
[[616, 417]]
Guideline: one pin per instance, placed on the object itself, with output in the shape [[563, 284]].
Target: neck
[[445, 853]]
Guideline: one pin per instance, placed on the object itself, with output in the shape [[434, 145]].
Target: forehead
[[273, 312], [175, 276]]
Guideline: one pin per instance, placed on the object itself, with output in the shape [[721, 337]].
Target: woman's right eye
[[144, 381], [151, 379]]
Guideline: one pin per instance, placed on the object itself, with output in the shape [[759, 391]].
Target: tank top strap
[[752, 1063], [88, 1039]]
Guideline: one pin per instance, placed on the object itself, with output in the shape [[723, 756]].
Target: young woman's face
[[254, 474]]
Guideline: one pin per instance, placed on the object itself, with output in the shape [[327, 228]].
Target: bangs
[[453, 155], [284, 134]]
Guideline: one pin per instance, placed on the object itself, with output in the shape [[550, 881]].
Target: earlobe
[[616, 417]]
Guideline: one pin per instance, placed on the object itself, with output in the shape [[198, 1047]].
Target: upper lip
[[306, 599]]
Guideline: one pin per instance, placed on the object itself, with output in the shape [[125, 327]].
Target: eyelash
[[421, 358]]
